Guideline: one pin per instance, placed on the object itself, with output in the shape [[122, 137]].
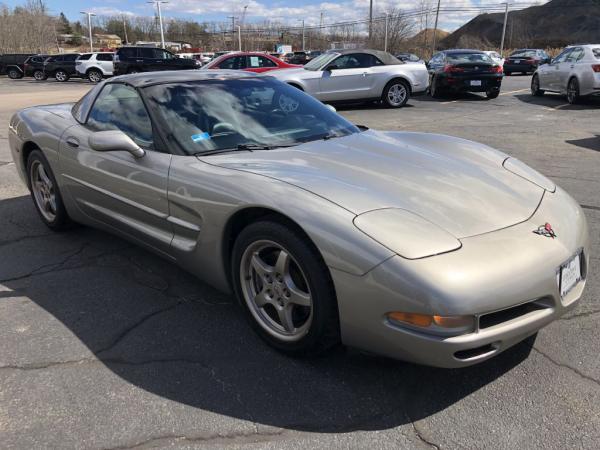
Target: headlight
[[524, 171], [405, 233], [433, 324]]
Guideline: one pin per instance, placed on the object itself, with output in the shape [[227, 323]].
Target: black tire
[[402, 90], [61, 76], [434, 90], [39, 75], [94, 76], [492, 94], [535, 87], [14, 74], [61, 220], [573, 91], [323, 332]]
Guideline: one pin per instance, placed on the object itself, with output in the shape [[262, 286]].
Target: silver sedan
[[358, 75], [574, 73], [422, 247]]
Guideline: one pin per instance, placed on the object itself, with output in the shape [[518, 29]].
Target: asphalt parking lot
[[106, 346]]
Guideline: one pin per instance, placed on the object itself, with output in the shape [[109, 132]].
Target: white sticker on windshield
[[254, 61]]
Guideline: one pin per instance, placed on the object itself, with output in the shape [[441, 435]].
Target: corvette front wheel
[[284, 288]]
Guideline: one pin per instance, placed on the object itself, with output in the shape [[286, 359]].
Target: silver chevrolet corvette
[[421, 247]]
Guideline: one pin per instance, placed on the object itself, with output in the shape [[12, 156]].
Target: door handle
[[365, 74], [72, 142]]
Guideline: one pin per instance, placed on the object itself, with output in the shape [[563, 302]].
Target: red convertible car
[[249, 61]]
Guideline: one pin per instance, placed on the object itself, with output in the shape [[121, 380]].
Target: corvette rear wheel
[[45, 193], [285, 289]]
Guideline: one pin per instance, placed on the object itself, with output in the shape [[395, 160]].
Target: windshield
[[212, 115], [466, 58], [321, 61]]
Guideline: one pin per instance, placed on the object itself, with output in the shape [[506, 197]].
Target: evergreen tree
[[64, 26]]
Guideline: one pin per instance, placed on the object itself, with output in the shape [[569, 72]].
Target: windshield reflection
[[242, 114]]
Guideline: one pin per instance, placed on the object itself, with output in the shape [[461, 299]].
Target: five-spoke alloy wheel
[[285, 288], [396, 94]]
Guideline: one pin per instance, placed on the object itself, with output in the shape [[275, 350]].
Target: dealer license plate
[[517, 61], [475, 82], [570, 274]]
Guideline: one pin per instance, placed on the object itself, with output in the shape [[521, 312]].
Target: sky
[[286, 11]]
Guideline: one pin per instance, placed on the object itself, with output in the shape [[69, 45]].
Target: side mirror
[[330, 108], [114, 140], [331, 67]]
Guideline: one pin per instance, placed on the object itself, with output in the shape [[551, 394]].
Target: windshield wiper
[[248, 147]]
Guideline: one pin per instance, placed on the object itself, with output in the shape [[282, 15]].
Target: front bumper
[[491, 272]]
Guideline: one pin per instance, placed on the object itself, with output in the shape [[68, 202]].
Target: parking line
[[514, 92]]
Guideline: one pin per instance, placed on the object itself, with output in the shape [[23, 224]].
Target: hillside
[[554, 24]]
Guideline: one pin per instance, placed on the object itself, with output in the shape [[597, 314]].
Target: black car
[[148, 59], [61, 67], [12, 64], [300, 58], [408, 57], [464, 71], [312, 54], [34, 67], [525, 60]]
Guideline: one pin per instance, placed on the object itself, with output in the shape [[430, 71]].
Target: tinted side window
[[128, 53], [260, 61], [69, 58], [146, 52], [104, 57], [235, 63], [161, 54], [575, 55], [119, 107], [351, 61], [563, 56], [85, 57]]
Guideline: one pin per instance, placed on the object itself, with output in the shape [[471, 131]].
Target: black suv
[[34, 67], [12, 64], [61, 67], [147, 59]]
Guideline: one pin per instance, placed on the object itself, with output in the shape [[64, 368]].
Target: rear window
[[466, 58], [525, 53], [84, 57], [596, 52]]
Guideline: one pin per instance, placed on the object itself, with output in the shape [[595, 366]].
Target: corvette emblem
[[545, 230]]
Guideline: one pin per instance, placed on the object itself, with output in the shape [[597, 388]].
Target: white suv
[[95, 66]]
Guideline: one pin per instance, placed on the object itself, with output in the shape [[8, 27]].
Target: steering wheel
[[287, 104]]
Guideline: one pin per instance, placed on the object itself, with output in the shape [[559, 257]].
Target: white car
[[95, 66], [574, 73], [358, 75], [206, 57], [496, 57]]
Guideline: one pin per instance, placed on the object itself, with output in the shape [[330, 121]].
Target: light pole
[[232, 31], [437, 15], [240, 27], [504, 30], [160, 22], [303, 49], [89, 20]]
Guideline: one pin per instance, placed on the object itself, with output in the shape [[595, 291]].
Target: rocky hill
[[554, 24]]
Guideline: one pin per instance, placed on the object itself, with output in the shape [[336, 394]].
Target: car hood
[[284, 73], [456, 184]]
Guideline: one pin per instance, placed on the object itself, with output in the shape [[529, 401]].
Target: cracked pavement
[[105, 346]]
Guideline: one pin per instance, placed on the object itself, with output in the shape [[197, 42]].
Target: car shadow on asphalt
[[556, 101], [592, 143], [160, 329]]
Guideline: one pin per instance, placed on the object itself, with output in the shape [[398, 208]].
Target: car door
[[145, 59], [554, 76], [105, 62], [122, 192], [568, 68], [69, 63], [346, 79]]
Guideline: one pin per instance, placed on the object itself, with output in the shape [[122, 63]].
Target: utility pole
[[232, 30], [303, 47], [89, 21], [160, 22], [385, 41], [240, 27], [125, 30], [321, 29], [240, 37], [504, 30], [437, 15], [370, 20]]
